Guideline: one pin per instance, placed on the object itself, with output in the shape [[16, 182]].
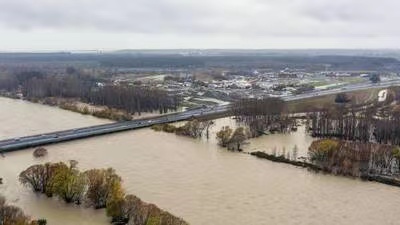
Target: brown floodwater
[[196, 179], [22, 118]]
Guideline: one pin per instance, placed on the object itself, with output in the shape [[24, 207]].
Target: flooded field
[[193, 179]]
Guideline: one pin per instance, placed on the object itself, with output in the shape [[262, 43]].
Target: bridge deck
[[80, 133]]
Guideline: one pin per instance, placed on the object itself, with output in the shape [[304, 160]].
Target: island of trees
[[193, 128], [96, 188], [263, 115]]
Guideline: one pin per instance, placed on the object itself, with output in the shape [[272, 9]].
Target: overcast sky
[[155, 24]]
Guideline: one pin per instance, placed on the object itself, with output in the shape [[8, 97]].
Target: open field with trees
[[319, 102]]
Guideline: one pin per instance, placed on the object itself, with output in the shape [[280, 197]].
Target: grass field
[[319, 102]]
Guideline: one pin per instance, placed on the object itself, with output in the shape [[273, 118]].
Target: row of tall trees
[[355, 158], [133, 99], [355, 124], [260, 115], [89, 89], [342, 122], [387, 126], [96, 188]]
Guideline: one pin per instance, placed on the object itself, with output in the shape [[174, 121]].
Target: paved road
[[349, 88], [74, 134]]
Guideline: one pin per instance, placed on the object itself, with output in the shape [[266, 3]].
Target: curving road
[[20, 143]]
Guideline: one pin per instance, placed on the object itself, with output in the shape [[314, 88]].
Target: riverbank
[[74, 105], [281, 159]]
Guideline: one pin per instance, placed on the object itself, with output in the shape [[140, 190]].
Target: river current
[[193, 179]]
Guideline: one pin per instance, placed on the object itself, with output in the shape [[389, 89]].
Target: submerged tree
[[115, 203], [320, 150], [69, 183], [260, 115], [101, 183], [100, 188], [11, 215], [194, 128], [238, 137], [40, 178], [355, 158], [224, 136], [232, 139]]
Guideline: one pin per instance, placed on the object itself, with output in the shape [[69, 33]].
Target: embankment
[[366, 177]]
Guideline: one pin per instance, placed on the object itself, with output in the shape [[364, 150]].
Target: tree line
[[96, 188], [366, 124], [355, 158], [133, 99], [87, 88], [192, 128]]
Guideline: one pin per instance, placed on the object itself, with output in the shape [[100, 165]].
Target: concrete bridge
[[79, 133], [19, 143]]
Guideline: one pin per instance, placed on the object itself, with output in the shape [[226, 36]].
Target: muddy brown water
[[194, 179]]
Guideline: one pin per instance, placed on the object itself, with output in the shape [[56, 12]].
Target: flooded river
[[194, 179]]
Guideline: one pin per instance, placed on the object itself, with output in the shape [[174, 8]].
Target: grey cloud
[[207, 17], [137, 16], [360, 11]]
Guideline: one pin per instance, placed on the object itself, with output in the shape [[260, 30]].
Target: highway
[[348, 88], [20, 143]]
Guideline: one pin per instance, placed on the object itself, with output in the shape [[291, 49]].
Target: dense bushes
[[97, 188], [169, 128], [143, 213], [322, 149], [106, 113], [193, 128], [40, 152], [233, 140], [112, 115]]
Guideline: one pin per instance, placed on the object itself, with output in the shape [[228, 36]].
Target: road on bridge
[[19, 143]]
